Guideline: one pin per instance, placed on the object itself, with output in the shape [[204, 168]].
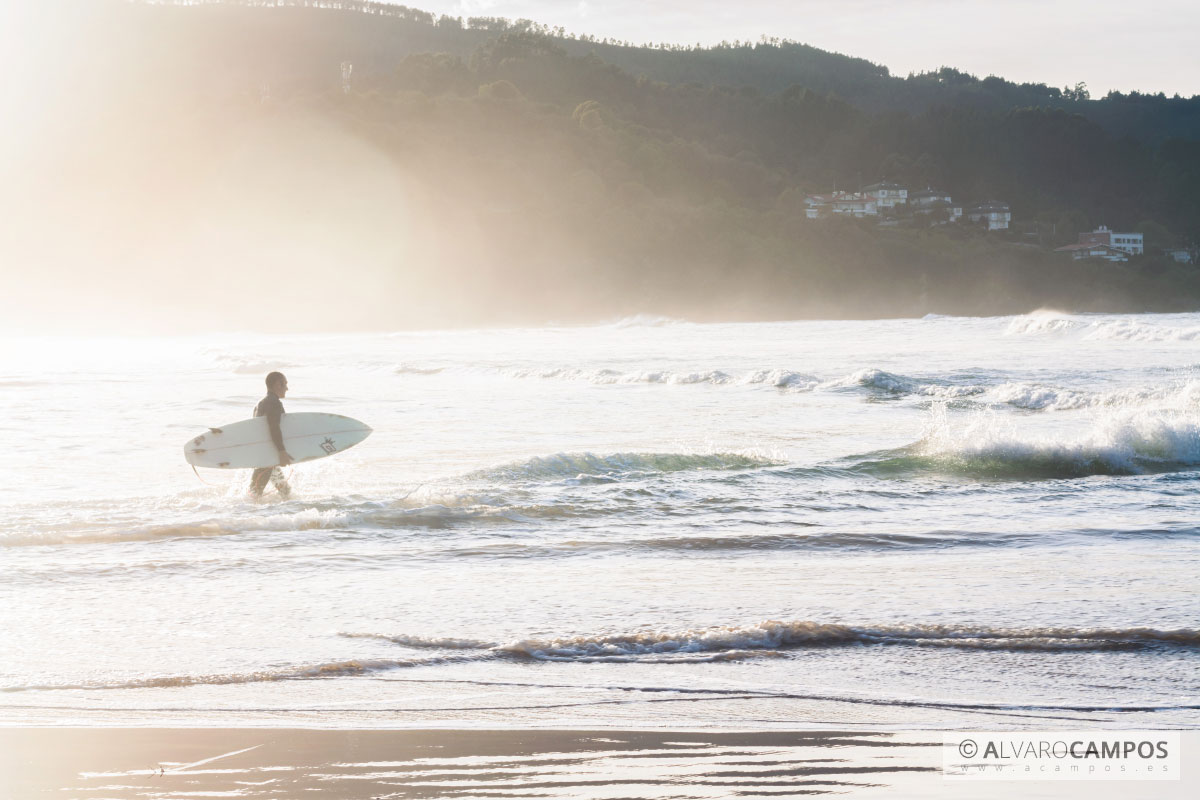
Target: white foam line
[[214, 758]]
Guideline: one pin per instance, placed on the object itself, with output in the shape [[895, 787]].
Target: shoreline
[[354, 764]]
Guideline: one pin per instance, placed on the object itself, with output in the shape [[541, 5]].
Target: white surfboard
[[247, 444]]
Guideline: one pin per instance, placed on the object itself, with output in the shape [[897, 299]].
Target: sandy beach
[[122, 763]]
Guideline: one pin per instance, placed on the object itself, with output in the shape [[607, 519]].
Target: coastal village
[[890, 202]]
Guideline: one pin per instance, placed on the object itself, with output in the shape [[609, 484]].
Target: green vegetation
[[559, 177]]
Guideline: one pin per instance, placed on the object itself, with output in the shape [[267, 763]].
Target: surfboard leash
[[206, 483]]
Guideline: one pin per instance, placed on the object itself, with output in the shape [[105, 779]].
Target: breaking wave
[[1180, 395], [773, 637], [770, 638], [1133, 331], [611, 376], [781, 379], [993, 390], [1116, 330], [1043, 322], [1126, 443], [778, 378], [869, 378], [1119, 444], [1034, 397], [879, 380]]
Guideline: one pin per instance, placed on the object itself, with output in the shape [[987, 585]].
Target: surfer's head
[[277, 384]]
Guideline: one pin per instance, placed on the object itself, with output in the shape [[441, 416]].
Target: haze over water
[[913, 523]]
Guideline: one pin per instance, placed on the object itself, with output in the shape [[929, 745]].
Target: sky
[[1148, 46]]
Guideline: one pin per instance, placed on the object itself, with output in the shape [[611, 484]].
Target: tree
[[1155, 235], [1079, 93]]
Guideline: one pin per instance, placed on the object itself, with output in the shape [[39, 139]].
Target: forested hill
[[463, 172], [808, 118], [383, 34]]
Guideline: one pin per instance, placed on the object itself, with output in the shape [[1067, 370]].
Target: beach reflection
[[250, 763]]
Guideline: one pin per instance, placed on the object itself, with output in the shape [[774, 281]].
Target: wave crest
[[1042, 323], [1119, 443], [778, 378], [1126, 330], [774, 636], [1114, 330], [770, 638]]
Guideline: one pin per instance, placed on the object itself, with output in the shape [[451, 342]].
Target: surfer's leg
[[258, 481], [280, 483]]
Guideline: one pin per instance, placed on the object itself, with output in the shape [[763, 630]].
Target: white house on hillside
[[857, 205], [887, 195], [1131, 243], [1081, 251], [992, 213], [927, 197], [818, 206], [932, 201]]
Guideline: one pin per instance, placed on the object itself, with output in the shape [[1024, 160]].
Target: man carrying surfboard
[[271, 407], [273, 439]]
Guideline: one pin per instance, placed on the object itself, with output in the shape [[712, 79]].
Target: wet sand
[[122, 763]]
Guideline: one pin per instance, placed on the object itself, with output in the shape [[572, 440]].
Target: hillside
[[381, 35], [820, 117], [462, 174]]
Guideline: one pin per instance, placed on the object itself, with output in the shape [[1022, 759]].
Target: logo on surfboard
[[328, 446]]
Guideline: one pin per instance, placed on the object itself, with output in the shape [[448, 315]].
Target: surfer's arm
[[273, 417]]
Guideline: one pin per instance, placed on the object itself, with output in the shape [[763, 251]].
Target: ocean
[[899, 524]]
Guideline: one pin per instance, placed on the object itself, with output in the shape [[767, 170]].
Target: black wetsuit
[[271, 408]]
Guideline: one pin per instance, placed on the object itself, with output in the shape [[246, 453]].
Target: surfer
[[271, 408]]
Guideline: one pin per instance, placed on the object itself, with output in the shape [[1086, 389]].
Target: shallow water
[[912, 523]]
